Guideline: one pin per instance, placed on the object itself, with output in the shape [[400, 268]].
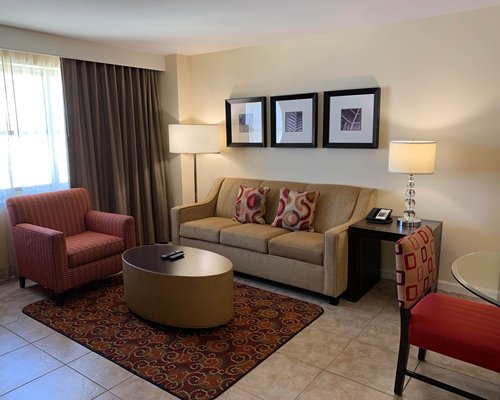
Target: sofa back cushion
[[62, 210], [335, 205]]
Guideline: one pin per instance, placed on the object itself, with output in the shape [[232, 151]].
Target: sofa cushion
[[250, 236], [89, 246], [228, 193], [296, 210], [299, 245], [251, 204], [207, 229]]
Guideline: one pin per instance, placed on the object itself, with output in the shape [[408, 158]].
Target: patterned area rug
[[190, 364]]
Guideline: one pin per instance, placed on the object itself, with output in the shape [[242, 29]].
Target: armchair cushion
[[86, 247]]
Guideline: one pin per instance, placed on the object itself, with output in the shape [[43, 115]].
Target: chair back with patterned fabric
[[62, 210], [415, 266]]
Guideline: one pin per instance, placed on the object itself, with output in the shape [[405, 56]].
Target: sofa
[[312, 260]]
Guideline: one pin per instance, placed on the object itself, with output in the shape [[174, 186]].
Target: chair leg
[[22, 282], [422, 353], [404, 352], [60, 298]]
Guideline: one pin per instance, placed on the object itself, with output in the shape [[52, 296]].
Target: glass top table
[[480, 273]]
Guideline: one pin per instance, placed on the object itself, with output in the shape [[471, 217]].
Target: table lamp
[[413, 158], [193, 139]]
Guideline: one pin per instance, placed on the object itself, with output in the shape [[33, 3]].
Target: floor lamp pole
[[195, 181]]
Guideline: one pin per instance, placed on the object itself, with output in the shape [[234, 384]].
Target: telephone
[[379, 216]]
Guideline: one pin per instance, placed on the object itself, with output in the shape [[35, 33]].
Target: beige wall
[[440, 80]]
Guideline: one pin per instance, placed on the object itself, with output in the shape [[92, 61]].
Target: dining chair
[[465, 330], [61, 243]]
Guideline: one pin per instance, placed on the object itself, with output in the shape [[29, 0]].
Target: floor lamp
[[193, 139], [411, 157]]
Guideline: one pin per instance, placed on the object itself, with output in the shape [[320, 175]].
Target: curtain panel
[[116, 147]]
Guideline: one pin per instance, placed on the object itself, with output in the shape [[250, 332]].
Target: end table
[[364, 252]]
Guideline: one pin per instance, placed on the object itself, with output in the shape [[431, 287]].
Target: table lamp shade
[[412, 157], [193, 139]]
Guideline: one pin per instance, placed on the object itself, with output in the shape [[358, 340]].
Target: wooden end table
[[364, 252]]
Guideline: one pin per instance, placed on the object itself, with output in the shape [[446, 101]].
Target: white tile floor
[[350, 352]]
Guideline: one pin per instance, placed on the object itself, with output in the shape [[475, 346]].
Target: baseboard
[[445, 286]]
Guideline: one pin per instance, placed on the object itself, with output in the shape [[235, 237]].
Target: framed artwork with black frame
[[293, 120], [351, 118], [246, 122]]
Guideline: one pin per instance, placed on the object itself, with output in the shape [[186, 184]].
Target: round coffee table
[[192, 292]]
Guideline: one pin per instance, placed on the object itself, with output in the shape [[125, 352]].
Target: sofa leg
[[60, 298], [22, 282], [334, 301]]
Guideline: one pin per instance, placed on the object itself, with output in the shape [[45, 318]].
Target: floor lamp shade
[[412, 158], [193, 139]]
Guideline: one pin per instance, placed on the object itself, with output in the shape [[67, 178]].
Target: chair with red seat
[[61, 243], [457, 328]]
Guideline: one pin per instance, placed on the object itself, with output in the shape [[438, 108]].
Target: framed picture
[[246, 122], [351, 118], [293, 120]]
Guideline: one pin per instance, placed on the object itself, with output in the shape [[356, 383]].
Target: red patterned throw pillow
[[296, 210], [251, 204]]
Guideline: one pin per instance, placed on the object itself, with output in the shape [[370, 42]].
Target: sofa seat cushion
[[250, 236], [89, 246], [206, 229], [299, 245]]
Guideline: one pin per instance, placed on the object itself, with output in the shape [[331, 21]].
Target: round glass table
[[480, 273]]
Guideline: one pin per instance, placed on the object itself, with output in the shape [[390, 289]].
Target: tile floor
[[350, 352]]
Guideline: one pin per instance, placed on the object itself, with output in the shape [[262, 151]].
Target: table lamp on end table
[[413, 158]]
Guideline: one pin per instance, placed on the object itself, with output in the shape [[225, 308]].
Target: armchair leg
[[22, 282], [422, 353], [60, 298]]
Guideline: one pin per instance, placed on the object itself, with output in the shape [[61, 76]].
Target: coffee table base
[[180, 301]]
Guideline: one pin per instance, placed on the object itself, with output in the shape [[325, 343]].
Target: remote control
[[176, 256], [169, 256]]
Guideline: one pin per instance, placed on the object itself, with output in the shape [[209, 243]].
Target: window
[[33, 151]]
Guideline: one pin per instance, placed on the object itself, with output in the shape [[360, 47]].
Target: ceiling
[[200, 26]]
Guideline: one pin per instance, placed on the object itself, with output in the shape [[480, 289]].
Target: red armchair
[[61, 243], [457, 328]]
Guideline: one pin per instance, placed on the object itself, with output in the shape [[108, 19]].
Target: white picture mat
[[255, 134], [363, 101], [284, 106]]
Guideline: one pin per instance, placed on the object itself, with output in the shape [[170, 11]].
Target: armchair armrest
[[119, 225], [190, 212], [37, 247]]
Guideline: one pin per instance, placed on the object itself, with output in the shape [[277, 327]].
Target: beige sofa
[[315, 261]]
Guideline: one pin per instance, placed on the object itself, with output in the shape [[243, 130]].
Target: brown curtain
[[116, 146]]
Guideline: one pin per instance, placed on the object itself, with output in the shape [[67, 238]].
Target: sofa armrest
[[119, 225], [190, 212], [336, 245], [37, 247]]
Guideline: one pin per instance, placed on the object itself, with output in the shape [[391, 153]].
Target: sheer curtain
[[33, 151]]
